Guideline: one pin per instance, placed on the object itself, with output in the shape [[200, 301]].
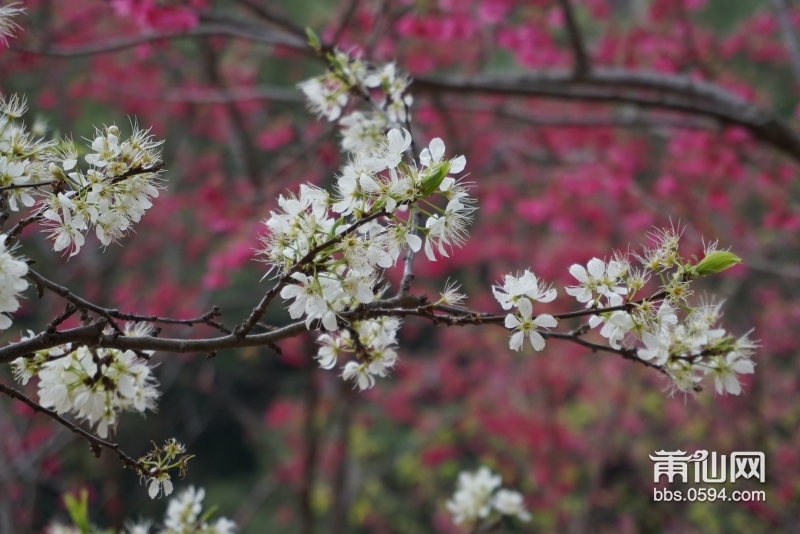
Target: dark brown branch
[[265, 36], [268, 15], [111, 314], [622, 86], [20, 226], [27, 186], [411, 306], [582, 66], [647, 89], [193, 95], [95, 443]]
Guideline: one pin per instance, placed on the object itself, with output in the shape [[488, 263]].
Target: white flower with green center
[[519, 291], [525, 326], [724, 370]]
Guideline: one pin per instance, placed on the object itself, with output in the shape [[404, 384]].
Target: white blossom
[[7, 24], [96, 384], [616, 327], [362, 132], [509, 502], [160, 483], [184, 509], [12, 282], [597, 278], [724, 370], [520, 290], [523, 325], [326, 96], [360, 374]]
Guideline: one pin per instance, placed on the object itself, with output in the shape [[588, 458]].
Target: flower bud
[[56, 171], [716, 262], [434, 179], [113, 130]]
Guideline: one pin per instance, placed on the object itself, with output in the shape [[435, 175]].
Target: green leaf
[[716, 262], [313, 39], [78, 510]]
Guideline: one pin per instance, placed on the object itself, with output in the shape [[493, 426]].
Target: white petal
[[732, 384], [515, 343], [458, 164], [597, 268], [579, 272], [153, 489], [512, 321], [429, 250], [525, 307], [545, 321], [437, 149], [368, 183], [536, 340], [414, 242]]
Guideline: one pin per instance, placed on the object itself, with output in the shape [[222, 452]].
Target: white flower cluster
[[12, 282], [520, 292], [7, 24], [349, 257], [696, 348], [478, 494], [376, 183], [384, 86], [184, 516], [20, 152], [686, 350], [95, 384], [377, 339], [111, 195]]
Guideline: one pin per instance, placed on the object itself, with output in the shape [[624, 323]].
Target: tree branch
[[608, 85], [788, 35], [264, 35], [622, 86], [110, 314], [582, 66], [96, 444]]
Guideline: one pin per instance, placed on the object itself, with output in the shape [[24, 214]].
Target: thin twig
[[95, 443], [111, 314]]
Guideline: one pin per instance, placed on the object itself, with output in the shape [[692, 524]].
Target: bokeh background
[[282, 446]]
